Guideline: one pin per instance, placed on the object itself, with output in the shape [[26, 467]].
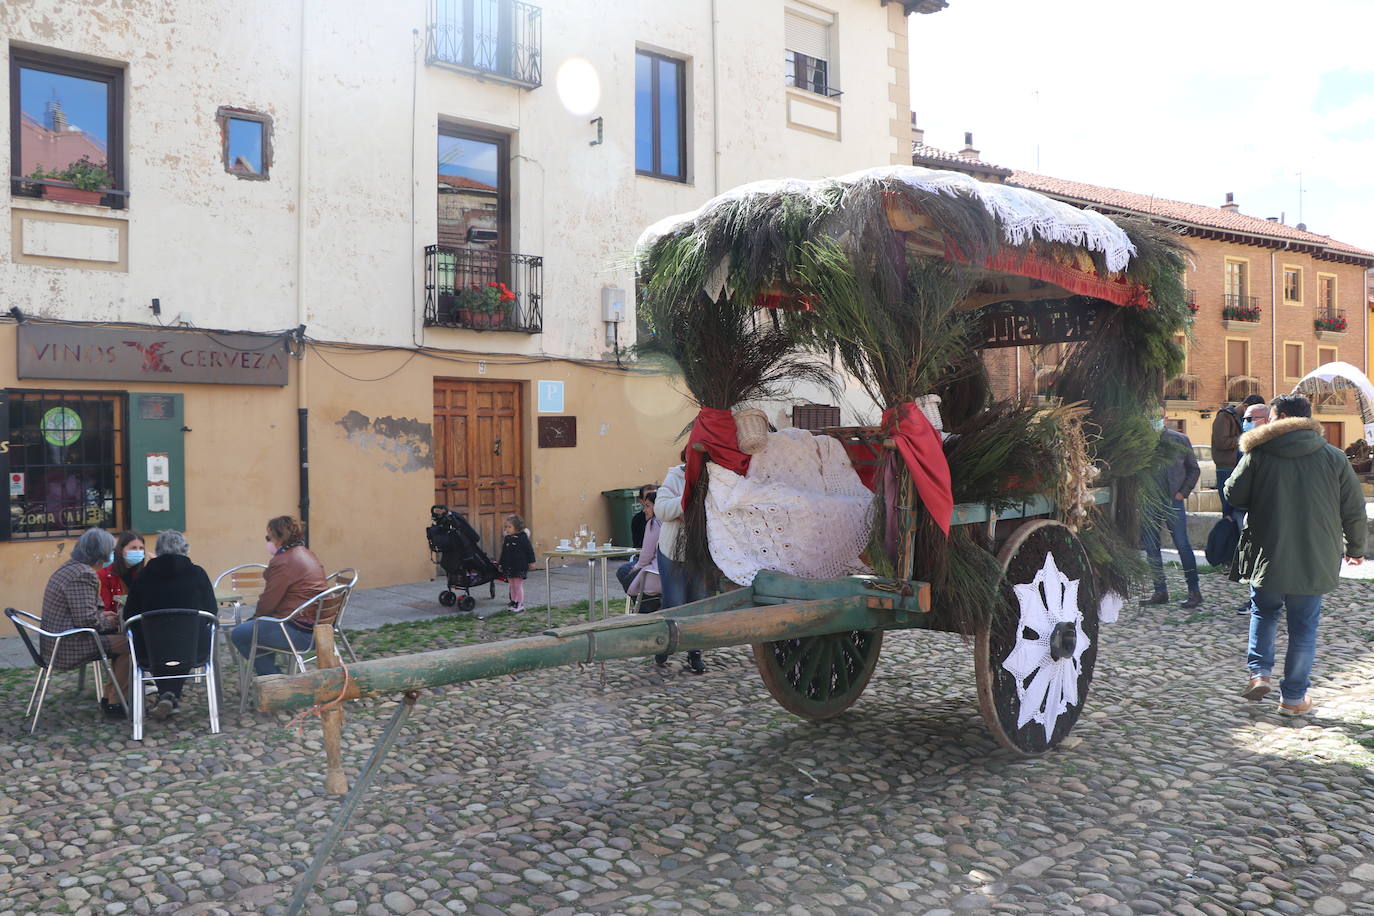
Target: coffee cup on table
[[565, 543]]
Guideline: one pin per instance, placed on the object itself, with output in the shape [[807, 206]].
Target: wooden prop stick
[[331, 718]]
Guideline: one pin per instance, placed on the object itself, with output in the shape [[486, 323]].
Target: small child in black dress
[[517, 556]]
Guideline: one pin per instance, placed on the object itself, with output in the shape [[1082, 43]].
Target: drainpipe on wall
[[1273, 327], [715, 103], [302, 390]]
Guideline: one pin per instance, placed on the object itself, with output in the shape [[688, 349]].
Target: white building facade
[[344, 183]]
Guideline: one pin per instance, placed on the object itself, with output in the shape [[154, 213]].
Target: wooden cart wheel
[[818, 677], [1035, 659]]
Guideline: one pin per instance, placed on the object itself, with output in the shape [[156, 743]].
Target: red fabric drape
[[921, 448], [715, 430]]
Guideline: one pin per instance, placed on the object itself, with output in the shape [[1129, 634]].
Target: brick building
[[1272, 301]]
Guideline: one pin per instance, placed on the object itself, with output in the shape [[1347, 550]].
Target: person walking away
[[1256, 415], [293, 576], [117, 578], [71, 599], [1226, 433], [1305, 509], [678, 587], [517, 556], [1176, 479], [171, 580]]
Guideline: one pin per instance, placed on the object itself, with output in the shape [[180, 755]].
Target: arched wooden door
[[478, 453]]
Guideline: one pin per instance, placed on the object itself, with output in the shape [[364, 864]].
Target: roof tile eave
[[1199, 215]]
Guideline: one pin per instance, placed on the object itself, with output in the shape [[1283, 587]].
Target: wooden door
[[479, 454], [1334, 432]]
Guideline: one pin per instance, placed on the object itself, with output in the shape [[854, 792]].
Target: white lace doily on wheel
[[1045, 686], [801, 510]]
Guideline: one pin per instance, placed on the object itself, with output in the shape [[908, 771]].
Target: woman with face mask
[[127, 563]]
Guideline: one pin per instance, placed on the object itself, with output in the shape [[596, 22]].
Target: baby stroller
[[455, 546]]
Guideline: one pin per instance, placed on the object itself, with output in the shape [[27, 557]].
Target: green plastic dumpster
[[624, 505]]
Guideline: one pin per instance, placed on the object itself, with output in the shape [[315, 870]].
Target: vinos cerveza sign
[[134, 355]]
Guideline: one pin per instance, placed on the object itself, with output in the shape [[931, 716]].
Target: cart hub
[[1063, 639]]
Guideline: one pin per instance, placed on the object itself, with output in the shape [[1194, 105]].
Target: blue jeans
[[625, 572], [677, 587], [270, 639], [1223, 475], [1177, 521], [1304, 614]]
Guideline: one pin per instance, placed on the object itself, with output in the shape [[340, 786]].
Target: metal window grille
[[69, 448], [500, 39]]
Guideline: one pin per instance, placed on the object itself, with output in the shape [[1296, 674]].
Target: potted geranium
[[85, 181], [491, 306]]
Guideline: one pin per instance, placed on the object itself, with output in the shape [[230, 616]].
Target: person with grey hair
[[72, 599], [170, 580]]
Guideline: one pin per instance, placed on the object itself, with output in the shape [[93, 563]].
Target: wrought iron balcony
[[1239, 387], [1181, 388], [1190, 299], [483, 290], [1330, 320], [498, 39]]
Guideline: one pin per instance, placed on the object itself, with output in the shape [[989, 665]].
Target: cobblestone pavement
[[549, 793]]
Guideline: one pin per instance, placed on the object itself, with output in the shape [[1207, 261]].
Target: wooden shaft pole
[[331, 719], [648, 635]]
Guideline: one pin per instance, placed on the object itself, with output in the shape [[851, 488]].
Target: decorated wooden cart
[[1000, 510]]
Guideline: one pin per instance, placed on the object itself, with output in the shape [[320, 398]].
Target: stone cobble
[[658, 793]]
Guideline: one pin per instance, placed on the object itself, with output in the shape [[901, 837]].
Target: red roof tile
[[935, 157], [1197, 215], [462, 181]]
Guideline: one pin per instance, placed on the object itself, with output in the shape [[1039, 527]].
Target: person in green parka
[[1305, 509]]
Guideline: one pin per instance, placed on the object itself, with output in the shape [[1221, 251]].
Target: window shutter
[[807, 36], [155, 422]]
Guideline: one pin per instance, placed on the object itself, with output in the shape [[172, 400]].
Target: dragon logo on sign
[[154, 360]]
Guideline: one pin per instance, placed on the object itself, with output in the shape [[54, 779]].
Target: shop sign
[[134, 355], [17, 484], [1021, 324], [550, 396]]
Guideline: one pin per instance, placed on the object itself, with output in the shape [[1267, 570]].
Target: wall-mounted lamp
[[599, 135], [156, 307]]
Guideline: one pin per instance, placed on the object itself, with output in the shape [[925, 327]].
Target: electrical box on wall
[[612, 304]]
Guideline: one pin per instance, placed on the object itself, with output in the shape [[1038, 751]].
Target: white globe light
[[579, 88]]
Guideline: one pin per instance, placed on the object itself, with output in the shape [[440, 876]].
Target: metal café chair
[[29, 625], [246, 582], [348, 578], [180, 638], [326, 604]]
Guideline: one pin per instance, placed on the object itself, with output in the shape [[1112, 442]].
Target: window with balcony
[[808, 51], [660, 116], [66, 129], [495, 39]]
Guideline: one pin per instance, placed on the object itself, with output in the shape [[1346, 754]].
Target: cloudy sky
[[1184, 99]]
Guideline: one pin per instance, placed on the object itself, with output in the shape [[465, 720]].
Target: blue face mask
[[1247, 425], [133, 557], [109, 561], [1157, 423]]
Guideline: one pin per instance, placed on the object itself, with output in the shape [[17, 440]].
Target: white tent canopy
[[1338, 376]]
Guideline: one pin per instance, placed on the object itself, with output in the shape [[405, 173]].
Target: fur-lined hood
[[1276, 429]]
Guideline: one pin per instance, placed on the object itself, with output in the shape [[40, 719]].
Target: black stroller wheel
[[467, 603], [447, 598]]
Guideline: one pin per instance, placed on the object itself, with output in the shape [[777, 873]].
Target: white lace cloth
[[801, 510], [1024, 215]]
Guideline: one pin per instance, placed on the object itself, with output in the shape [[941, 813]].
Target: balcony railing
[[1190, 299], [461, 284], [498, 39], [1330, 319], [1240, 308], [1181, 388], [1240, 387]]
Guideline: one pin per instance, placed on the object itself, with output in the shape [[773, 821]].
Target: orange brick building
[[1271, 302]]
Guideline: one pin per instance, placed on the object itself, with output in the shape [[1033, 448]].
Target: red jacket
[[111, 586]]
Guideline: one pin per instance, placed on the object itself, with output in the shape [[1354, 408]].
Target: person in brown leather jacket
[[293, 577]]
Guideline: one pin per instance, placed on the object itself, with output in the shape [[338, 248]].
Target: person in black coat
[[517, 556], [170, 580]]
